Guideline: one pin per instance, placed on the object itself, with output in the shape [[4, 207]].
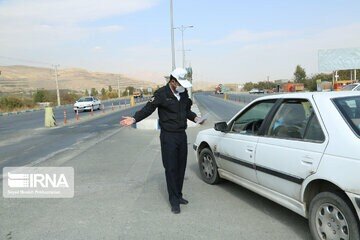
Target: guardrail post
[[77, 114]]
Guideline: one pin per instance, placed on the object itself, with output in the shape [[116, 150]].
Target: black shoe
[[183, 201], [175, 209]]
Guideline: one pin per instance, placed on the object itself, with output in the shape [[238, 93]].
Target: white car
[[87, 103], [256, 91], [351, 87], [300, 150]]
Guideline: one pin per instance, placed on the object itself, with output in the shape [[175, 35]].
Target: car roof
[[318, 95]]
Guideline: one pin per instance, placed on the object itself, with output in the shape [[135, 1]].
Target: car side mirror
[[221, 126]]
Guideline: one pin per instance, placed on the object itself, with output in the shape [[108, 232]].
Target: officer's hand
[[127, 121], [197, 120]]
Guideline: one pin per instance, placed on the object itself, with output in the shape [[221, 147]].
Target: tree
[[86, 92], [300, 74], [311, 83], [94, 92], [248, 86], [103, 92], [112, 94], [39, 96], [110, 88], [131, 90], [265, 85]]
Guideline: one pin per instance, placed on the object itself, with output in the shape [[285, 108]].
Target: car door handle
[[307, 160], [249, 149]]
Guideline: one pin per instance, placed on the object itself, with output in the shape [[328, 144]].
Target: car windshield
[[349, 107], [88, 99]]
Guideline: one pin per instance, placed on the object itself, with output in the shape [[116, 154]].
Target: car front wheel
[[331, 217], [208, 167]]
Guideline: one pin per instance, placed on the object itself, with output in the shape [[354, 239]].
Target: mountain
[[15, 79], [27, 78]]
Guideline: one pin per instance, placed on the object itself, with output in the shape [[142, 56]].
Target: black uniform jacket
[[173, 114]]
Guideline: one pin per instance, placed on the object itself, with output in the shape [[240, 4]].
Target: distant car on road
[[351, 87], [256, 91], [87, 103], [300, 150]]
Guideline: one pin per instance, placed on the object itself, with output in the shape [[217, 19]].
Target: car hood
[[81, 104]]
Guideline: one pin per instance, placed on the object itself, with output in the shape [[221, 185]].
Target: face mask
[[180, 89]]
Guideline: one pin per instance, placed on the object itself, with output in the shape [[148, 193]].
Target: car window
[[292, 119], [313, 131], [249, 122], [350, 109]]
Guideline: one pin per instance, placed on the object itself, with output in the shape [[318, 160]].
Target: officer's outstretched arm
[[149, 108]]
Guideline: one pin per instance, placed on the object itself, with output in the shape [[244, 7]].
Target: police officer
[[174, 108]]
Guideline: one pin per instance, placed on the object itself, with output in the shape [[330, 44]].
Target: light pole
[[172, 35], [182, 29], [57, 84], [118, 82]]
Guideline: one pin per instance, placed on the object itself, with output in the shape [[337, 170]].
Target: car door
[[291, 148], [236, 149]]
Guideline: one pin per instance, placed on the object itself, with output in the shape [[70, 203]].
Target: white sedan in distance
[[300, 150], [256, 91], [87, 103]]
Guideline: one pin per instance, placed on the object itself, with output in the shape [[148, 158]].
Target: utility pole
[[355, 75], [183, 48], [182, 29], [172, 36], [57, 84], [119, 87]]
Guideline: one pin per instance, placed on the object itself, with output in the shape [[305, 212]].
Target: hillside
[[25, 78], [15, 79]]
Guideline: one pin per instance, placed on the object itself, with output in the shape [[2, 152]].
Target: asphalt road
[[214, 104], [12, 125], [120, 189], [44, 143]]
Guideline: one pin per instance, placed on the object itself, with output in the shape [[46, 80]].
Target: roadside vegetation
[[42, 97], [300, 76], [11, 103], [38, 99]]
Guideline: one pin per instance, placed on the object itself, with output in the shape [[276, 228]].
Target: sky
[[232, 41]]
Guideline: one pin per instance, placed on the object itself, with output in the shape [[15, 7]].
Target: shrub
[[10, 103]]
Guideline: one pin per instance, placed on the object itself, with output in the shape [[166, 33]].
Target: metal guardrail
[[137, 100]]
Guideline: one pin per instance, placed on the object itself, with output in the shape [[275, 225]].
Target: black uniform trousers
[[174, 156]]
